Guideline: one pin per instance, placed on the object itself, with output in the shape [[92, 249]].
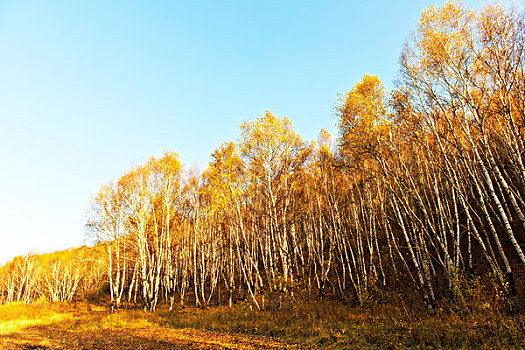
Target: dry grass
[[313, 325], [84, 326], [332, 325], [17, 316]]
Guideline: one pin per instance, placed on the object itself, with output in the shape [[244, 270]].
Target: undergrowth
[[324, 324], [332, 325]]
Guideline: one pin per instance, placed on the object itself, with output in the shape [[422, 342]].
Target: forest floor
[[82, 326], [321, 325]]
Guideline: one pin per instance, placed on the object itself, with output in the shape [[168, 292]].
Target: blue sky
[[90, 88]]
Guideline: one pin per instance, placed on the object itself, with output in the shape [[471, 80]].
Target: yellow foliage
[[223, 178], [363, 118], [445, 32]]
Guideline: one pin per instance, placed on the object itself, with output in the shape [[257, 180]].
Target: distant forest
[[420, 196]]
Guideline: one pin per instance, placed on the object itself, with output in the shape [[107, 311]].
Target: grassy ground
[[82, 326], [315, 325], [332, 325]]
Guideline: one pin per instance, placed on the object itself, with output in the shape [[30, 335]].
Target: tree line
[[60, 276], [422, 190]]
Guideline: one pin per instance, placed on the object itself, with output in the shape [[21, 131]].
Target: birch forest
[[420, 193]]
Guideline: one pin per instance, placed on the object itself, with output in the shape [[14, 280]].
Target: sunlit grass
[[326, 324], [18, 316], [120, 319]]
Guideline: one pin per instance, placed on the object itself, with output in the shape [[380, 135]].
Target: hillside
[[407, 229]]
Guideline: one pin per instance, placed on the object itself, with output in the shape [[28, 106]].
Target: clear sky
[[90, 88]]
